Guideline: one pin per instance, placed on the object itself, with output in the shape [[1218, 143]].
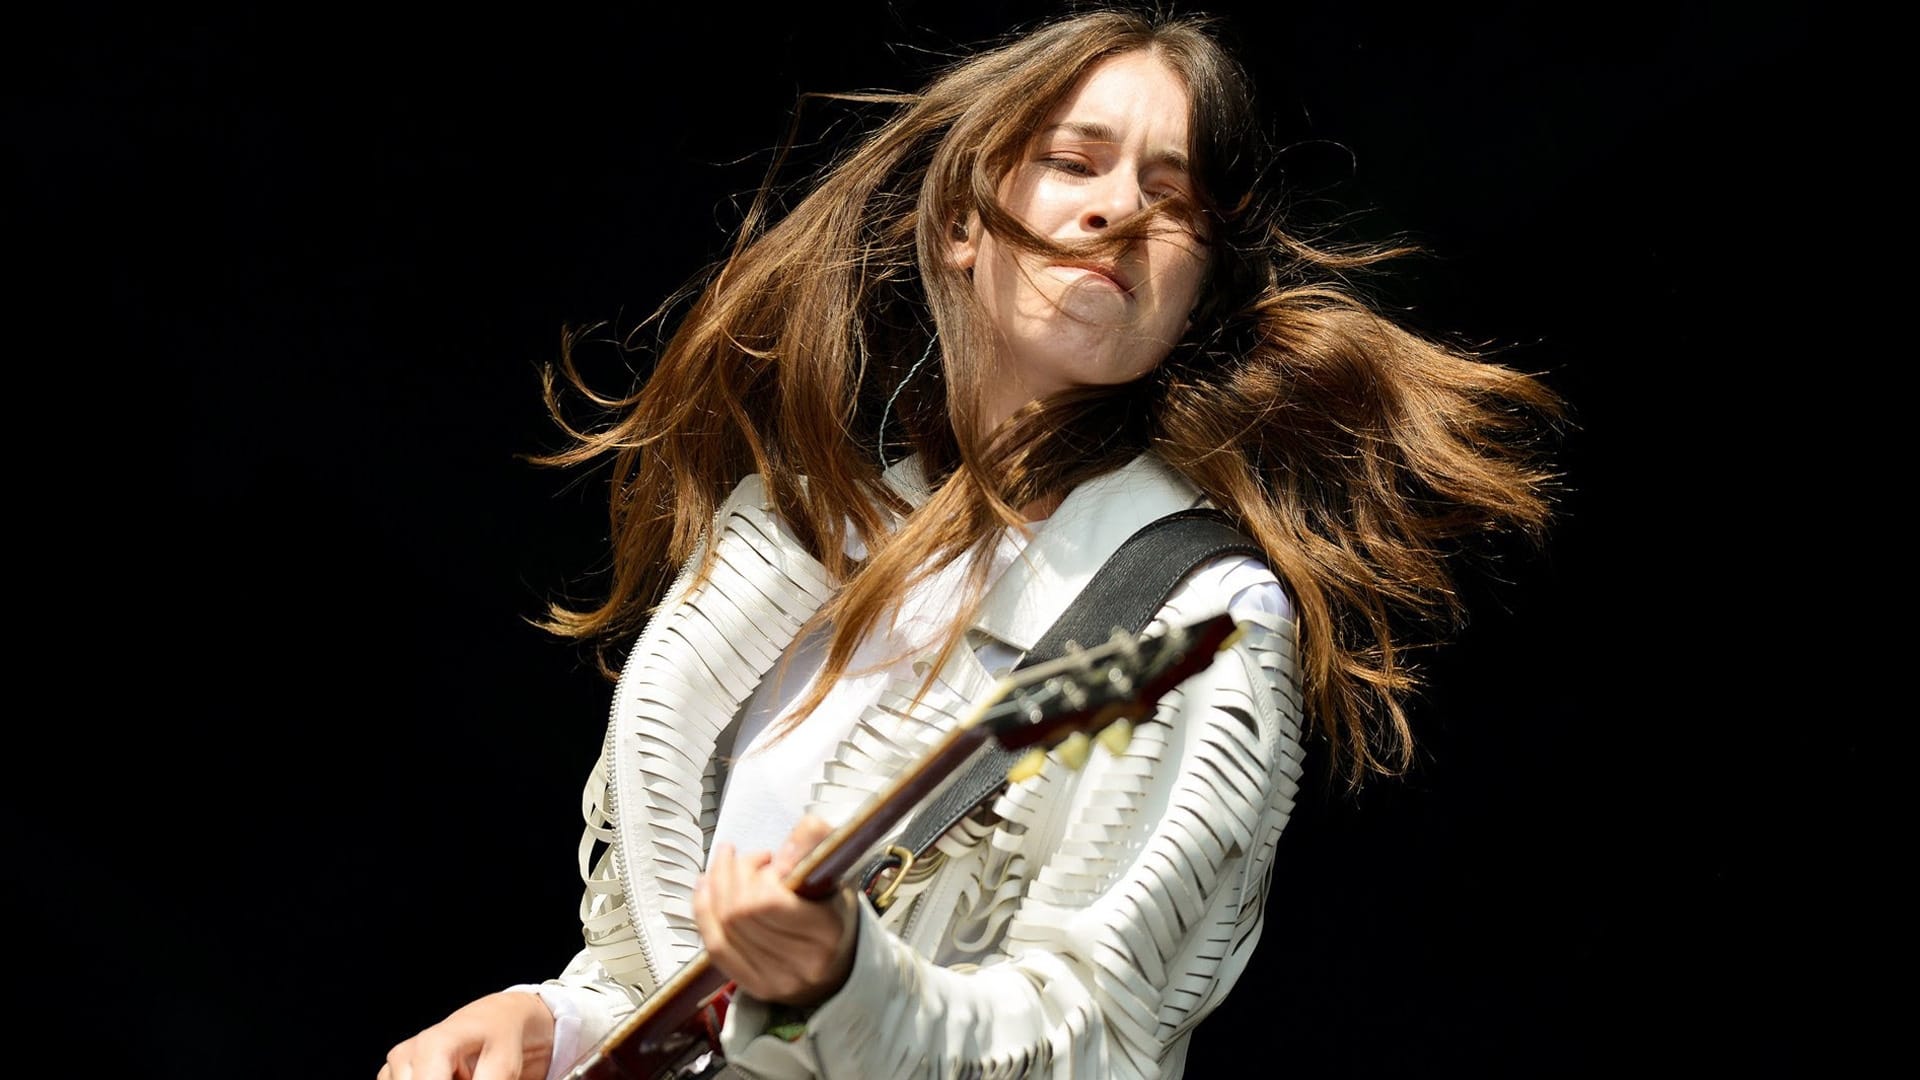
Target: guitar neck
[[821, 872]]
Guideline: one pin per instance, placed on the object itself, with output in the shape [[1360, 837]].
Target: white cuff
[[567, 1024]]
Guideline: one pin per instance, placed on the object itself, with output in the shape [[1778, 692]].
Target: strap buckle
[[897, 859]]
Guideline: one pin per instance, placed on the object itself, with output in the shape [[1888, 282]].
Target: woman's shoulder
[[1241, 585]]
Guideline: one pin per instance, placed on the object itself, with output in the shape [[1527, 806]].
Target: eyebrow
[[1098, 132]]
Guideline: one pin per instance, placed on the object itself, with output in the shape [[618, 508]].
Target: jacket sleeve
[[1131, 921], [587, 1005]]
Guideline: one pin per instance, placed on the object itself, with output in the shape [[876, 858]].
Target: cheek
[[1009, 287], [1181, 293], [1040, 200], [991, 275]]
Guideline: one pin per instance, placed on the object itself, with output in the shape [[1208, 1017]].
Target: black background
[[314, 780]]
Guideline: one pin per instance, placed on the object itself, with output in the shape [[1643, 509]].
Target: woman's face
[[1115, 144]]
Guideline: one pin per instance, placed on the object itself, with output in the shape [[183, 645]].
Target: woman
[[1044, 303]]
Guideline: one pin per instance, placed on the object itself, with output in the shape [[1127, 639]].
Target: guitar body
[[675, 1037]]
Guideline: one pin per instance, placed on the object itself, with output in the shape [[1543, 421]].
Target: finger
[[433, 1059], [436, 1067], [786, 857], [724, 875], [725, 864], [733, 880], [713, 904], [499, 1060], [810, 831], [739, 890], [784, 928], [733, 898], [803, 839], [719, 867]]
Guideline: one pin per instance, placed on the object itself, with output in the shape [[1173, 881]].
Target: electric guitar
[[1063, 703]]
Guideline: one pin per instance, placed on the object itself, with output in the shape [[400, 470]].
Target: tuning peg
[[1027, 766], [1073, 692], [1074, 750], [1028, 707], [1175, 639], [1116, 736]]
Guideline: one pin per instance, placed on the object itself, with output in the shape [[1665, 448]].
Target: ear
[[963, 242]]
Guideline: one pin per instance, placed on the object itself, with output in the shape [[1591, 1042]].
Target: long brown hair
[[1360, 455]]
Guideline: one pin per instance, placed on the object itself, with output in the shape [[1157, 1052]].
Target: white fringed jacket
[[1081, 930]]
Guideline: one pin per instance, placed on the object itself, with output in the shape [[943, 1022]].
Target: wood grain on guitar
[[1060, 705]]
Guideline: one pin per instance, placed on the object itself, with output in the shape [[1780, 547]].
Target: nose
[[1110, 201]]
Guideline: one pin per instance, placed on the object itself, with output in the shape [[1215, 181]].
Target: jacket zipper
[[609, 753]]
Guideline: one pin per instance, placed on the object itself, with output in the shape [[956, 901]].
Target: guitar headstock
[[1097, 692]]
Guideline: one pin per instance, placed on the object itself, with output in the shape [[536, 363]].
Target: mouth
[[1111, 274]]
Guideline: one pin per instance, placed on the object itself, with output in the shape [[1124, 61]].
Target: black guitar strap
[[1122, 595]]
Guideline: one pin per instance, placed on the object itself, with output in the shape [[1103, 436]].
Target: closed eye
[[1077, 167], [1068, 165]]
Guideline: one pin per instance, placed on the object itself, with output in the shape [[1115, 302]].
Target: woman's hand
[[759, 933], [503, 1036]]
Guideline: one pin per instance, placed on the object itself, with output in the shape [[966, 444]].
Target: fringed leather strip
[[683, 685]]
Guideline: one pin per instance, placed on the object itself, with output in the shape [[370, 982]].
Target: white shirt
[[769, 784]]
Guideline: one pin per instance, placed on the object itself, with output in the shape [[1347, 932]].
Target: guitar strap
[[1122, 595]]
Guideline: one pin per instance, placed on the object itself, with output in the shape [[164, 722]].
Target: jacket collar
[[1090, 525]]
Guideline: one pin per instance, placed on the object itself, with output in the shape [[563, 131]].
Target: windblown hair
[[1359, 454]]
